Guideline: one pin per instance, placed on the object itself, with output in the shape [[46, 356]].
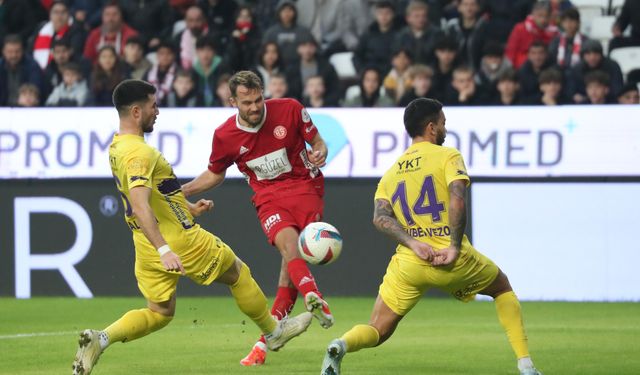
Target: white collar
[[249, 129]]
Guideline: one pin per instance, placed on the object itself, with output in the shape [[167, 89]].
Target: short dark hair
[[628, 87], [206, 41], [131, 91], [508, 75], [12, 39], [597, 76], [537, 44], [570, 14], [493, 48], [385, 4], [166, 44], [72, 66], [244, 78], [137, 40], [550, 75], [62, 42], [419, 113], [446, 43]]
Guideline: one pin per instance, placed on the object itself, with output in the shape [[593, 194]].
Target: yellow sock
[[361, 336], [251, 300], [135, 324], [510, 317]]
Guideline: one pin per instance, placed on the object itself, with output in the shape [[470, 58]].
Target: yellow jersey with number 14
[[417, 186], [135, 163]]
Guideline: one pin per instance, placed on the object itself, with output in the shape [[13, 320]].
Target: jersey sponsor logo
[[270, 166], [271, 221], [305, 115], [243, 150], [280, 132]]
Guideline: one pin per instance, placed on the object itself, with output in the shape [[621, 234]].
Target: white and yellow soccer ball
[[320, 243]]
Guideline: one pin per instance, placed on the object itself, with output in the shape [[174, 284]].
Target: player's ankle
[[260, 345], [104, 340], [525, 363]]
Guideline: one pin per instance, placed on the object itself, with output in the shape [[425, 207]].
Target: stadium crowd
[[462, 52]]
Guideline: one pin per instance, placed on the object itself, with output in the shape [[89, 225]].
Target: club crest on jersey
[[280, 132]]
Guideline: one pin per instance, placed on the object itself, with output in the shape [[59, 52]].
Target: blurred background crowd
[[325, 53]]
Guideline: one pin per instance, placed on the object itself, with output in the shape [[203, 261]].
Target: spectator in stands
[[163, 70], [321, 18], [565, 48], [421, 83], [371, 94], [19, 17], [113, 32], [89, 12], [558, 7], [265, 13], [311, 64], [629, 16], [278, 87], [151, 18], [418, 36], [507, 88], [135, 59], [535, 27], [493, 64], [245, 41], [287, 33], [60, 25], [550, 86], [16, 68], [354, 17], [446, 61], [268, 64], [72, 91], [223, 92], [629, 94], [28, 95], [62, 54], [398, 79], [375, 45], [469, 30], [315, 94], [186, 40], [529, 72], [597, 86], [107, 72], [503, 15], [183, 92], [220, 18], [592, 60], [207, 68], [464, 91]]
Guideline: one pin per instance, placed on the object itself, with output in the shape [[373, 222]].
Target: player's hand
[[200, 207], [171, 262], [317, 158], [423, 250], [446, 256]]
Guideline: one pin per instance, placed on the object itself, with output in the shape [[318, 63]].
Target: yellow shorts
[[204, 261], [407, 278]]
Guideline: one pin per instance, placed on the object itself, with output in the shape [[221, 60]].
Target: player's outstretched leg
[[282, 306], [89, 351]]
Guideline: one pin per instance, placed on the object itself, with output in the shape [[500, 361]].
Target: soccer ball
[[320, 243]]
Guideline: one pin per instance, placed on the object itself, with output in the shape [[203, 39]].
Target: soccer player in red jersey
[[267, 141]]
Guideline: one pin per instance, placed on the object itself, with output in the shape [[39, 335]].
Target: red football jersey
[[273, 155]]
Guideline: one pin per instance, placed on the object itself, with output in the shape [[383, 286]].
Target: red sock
[[301, 277], [283, 304]]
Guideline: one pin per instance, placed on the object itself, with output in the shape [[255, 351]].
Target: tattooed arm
[[457, 222], [385, 221]]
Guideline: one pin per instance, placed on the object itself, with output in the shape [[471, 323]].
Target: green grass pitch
[[210, 335]]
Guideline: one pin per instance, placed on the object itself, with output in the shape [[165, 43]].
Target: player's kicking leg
[[252, 302], [510, 316], [133, 325]]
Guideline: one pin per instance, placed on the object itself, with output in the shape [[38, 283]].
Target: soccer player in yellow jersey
[[420, 203], [168, 242]]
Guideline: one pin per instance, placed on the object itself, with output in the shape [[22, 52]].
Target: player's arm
[[318, 153], [385, 221], [457, 222], [207, 180], [147, 221]]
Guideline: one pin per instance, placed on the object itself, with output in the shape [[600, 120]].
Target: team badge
[[305, 115], [280, 132]]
